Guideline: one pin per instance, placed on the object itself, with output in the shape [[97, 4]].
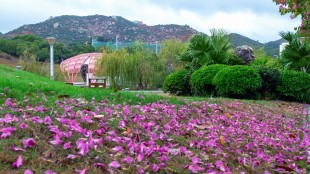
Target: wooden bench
[[97, 82]]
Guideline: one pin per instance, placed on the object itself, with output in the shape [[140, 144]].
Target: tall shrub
[[201, 80], [295, 86], [177, 83], [270, 80], [238, 82]]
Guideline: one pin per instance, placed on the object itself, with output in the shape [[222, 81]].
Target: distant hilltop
[[83, 29]]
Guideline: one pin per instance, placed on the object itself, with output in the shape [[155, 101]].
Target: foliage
[[201, 80], [29, 63], [296, 8], [262, 59], [270, 80], [39, 48], [131, 67], [238, 81], [296, 55], [21, 84], [206, 50], [295, 86], [169, 52], [177, 83]]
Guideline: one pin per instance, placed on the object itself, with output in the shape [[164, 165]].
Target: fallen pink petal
[[114, 164], [27, 171], [12, 147], [30, 142], [18, 162]]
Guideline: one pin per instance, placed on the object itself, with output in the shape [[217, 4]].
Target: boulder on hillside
[[246, 53]]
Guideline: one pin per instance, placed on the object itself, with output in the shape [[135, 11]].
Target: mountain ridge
[[72, 28]]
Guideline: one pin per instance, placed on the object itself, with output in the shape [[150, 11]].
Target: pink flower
[[195, 168], [70, 156], [81, 171], [56, 140], [114, 164], [155, 167], [118, 149], [27, 171], [23, 126], [18, 162], [47, 120], [50, 172], [195, 160], [127, 159], [29, 142], [67, 145], [36, 119], [220, 165], [140, 157], [16, 148], [103, 167], [137, 138], [83, 149], [7, 131]]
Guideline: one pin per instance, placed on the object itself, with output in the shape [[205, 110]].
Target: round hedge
[[201, 80], [270, 80], [177, 83], [238, 82], [295, 86]]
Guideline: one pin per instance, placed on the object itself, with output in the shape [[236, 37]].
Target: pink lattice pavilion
[[71, 66]]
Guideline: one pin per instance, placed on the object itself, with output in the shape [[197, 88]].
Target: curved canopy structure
[[71, 66]]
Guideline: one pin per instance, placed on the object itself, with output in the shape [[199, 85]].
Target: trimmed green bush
[[177, 83], [270, 80], [238, 82], [201, 80], [294, 86]]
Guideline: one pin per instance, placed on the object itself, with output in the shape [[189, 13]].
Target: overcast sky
[[256, 19]]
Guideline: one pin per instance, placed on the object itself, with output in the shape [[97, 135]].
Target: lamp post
[[51, 41]]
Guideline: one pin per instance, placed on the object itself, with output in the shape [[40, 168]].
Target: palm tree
[[206, 50], [296, 55]]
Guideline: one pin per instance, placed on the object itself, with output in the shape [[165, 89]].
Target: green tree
[[168, 57], [296, 55], [133, 67], [207, 50]]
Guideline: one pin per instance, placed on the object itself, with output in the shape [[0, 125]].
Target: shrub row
[[250, 82]]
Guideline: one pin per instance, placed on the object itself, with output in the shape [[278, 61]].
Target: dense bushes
[[250, 82], [238, 81], [177, 83], [201, 80], [270, 79], [295, 86]]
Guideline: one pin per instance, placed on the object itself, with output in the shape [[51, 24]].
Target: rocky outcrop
[[246, 53]]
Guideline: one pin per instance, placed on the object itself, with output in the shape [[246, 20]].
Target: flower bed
[[201, 137]]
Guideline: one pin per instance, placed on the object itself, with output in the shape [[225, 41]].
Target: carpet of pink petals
[[200, 137]]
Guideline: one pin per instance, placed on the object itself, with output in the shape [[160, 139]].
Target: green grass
[[18, 84]]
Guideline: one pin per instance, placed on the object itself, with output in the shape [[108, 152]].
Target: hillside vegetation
[[73, 29]]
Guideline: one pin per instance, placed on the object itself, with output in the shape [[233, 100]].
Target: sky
[[257, 19]]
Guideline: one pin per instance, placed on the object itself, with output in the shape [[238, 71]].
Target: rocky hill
[[82, 29], [106, 28]]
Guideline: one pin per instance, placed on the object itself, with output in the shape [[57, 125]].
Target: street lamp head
[[51, 40]]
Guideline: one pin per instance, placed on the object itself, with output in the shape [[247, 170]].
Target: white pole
[[116, 41], [52, 61], [156, 47], [51, 41]]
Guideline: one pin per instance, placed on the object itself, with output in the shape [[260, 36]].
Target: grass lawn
[[102, 131]]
